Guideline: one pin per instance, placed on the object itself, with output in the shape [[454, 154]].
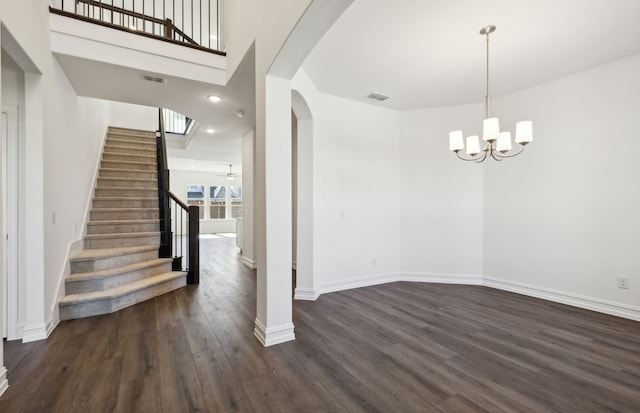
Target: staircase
[[119, 265]]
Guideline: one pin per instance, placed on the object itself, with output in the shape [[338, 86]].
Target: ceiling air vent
[[377, 96], [154, 79]]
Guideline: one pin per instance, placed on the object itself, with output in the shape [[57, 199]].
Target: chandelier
[[497, 144]]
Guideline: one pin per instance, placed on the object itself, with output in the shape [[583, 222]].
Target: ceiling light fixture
[[497, 144], [240, 113], [230, 175], [214, 98], [210, 131]]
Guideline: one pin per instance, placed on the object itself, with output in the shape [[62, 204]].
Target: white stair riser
[[125, 192], [127, 173], [85, 286], [126, 183], [88, 309], [129, 165], [124, 227], [104, 241], [100, 264], [114, 214], [107, 156], [125, 203]]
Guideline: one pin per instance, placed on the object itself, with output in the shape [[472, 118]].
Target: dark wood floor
[[401, 347]]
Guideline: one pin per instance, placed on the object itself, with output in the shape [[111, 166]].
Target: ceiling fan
[[230, 175]]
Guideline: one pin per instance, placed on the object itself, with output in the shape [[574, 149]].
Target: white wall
[[356, 196], [63, 136], [75, 128], [441, 196], [563, 216], [248, 238], [126, 115], [179, 181]]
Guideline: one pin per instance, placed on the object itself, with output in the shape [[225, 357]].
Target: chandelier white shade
[[497, 143]]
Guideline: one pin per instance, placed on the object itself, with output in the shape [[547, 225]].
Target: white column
[[248, 254], [3, 370], [273, 322], [305, 280], [32, 255]]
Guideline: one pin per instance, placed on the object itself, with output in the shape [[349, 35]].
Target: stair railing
[[193, 23], [180, 233]]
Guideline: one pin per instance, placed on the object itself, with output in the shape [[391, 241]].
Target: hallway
[[399, 347]]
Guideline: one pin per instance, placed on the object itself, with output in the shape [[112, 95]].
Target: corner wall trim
[[4, 383], [575, 300], [34, 332], [273, 335], [249, 263]]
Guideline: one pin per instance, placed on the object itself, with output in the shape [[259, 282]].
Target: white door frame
[[9, 183]]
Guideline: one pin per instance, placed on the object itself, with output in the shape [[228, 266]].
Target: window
[[195, 196], [236, 201], [217, 202], [175, 122]]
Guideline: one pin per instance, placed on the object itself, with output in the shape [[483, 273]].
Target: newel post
[[193, 276]]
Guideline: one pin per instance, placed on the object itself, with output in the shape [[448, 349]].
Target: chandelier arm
[[466, 159], [480, 160], [495, 155], [511, 155]]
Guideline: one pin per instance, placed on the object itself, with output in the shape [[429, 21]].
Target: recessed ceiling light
[[214, 98], [240, 113], [213, 37], [210, 131]]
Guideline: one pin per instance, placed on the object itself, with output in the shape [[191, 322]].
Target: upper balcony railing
[[194, 23]]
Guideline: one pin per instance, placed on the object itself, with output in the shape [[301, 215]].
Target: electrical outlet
[[623, 282]]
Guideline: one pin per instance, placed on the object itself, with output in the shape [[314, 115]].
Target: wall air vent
[[377, 96], [154, 79]]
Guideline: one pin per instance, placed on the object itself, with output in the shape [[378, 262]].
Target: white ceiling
[[425, 53], [207, 152]]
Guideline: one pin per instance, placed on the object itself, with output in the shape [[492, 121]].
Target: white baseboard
[[575, 300], [249, 263], [34, 332], [307, 294], [312, 295], [273, 335], [466, 279], [53, 322], [4, 383], [357, 283]]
